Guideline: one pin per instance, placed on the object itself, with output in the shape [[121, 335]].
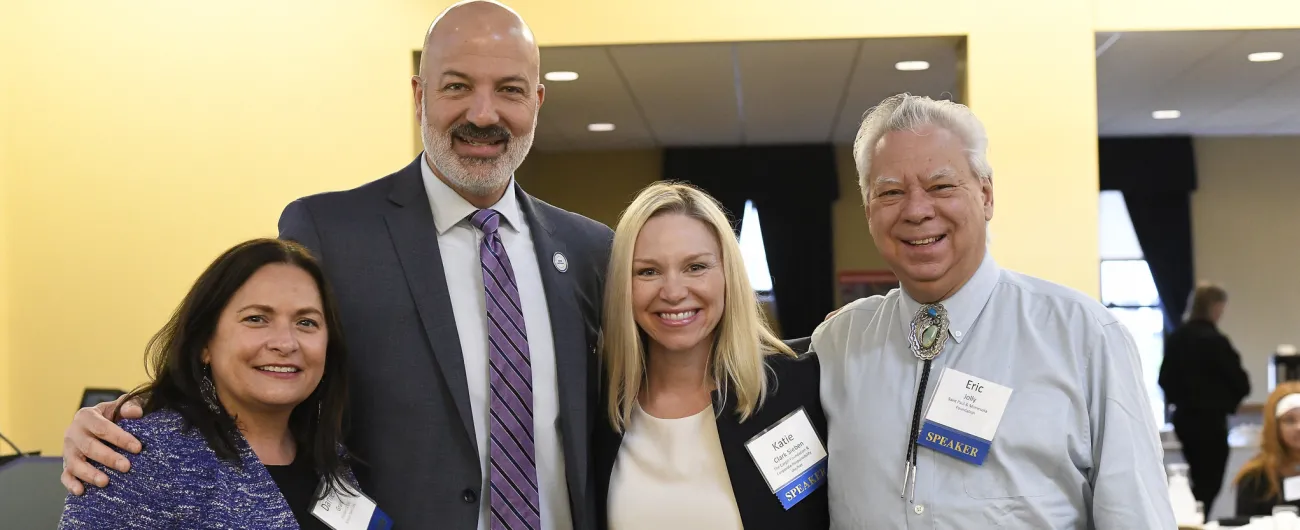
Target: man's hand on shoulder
[[85, 440]]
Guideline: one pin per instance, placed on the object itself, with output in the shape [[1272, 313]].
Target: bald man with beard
[[471, 308]]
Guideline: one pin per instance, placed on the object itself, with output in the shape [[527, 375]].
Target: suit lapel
[[568, 332], [410, 224], [741, 469]]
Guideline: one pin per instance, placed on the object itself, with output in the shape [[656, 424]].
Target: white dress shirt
[[1076, 448], [458, 243]]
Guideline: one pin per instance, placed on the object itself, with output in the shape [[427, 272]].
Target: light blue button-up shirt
[[1077, 446]]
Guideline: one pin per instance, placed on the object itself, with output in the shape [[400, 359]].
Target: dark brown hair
[[176, 368]]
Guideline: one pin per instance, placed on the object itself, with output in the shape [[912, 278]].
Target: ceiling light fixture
[[561, 76], [600, 127], [912, 66], [1264, 57], [1166, 114]]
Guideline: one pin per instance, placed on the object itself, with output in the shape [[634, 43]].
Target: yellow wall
[[1173, 15], [155, 133], [1039, 104], [597, 184], [6, 176], [5, 355]]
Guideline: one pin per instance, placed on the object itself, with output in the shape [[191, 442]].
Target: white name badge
[[964, 416], [791, 457], [341, 510], [1291, 488]]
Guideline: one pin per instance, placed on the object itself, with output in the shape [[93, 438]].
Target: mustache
[[469, 131]]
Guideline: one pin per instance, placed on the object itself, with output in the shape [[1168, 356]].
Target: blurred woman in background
[[701, 398], [1204, 383], [1273, 476], [244, 414]]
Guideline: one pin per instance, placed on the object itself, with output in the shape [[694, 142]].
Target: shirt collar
[[964, 305], [450, 208]]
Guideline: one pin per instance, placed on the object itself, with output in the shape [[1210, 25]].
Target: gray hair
[[905, 112]]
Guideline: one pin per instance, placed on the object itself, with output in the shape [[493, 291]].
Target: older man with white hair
[[974, 396]]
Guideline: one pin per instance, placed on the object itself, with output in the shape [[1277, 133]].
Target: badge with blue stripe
[[963, 416], [791, 457], [353, 510]]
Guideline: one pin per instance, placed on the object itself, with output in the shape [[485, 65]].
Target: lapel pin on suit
[[561, 263]]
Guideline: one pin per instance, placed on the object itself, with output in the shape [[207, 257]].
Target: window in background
[[753, 252], [1129, 290]]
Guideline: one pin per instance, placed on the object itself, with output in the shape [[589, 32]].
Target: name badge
[[341, 510], [963, 416], [1291, 488], [791, 457]]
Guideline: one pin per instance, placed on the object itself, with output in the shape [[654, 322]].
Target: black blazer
[[1201, 371], [1253, 497], [796, 384], [409, 406]]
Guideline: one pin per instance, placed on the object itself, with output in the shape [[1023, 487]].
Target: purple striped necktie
[[513, 466]]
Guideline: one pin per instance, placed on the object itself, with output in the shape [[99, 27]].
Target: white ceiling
[[733, 94], [1203, 74]]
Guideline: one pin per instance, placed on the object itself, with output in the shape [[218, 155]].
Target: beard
[[479, 176]]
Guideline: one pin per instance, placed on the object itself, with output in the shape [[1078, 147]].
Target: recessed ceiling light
[[600, 127], [1166, 114], [912, 66], [1264, 57], [561, 76]]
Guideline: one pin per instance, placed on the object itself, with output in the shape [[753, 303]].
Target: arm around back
[[161, 491]]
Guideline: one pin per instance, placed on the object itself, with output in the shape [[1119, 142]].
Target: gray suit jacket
[[410, 414]]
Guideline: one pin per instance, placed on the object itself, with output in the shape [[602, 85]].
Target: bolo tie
[[928, 334]]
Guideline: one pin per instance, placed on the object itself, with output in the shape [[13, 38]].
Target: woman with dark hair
[[244, 413]]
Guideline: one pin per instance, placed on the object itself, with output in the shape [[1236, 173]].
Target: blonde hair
[[1203, 300], [1273, 454], [742, 338]]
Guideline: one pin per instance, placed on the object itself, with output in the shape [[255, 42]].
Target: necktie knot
[[486, 220]]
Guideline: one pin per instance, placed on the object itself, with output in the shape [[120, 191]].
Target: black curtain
[[793, 188], [718, 171], [1157, 177]]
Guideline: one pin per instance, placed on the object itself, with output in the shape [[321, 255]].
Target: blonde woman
[[1266, 479], [710, 420]]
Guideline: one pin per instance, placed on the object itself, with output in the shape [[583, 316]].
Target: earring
[[209, 390]]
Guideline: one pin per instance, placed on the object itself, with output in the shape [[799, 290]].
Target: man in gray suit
[[471, 307]]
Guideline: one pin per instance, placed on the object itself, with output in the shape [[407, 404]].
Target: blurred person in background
[[1272, 477], [1204, 383]]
